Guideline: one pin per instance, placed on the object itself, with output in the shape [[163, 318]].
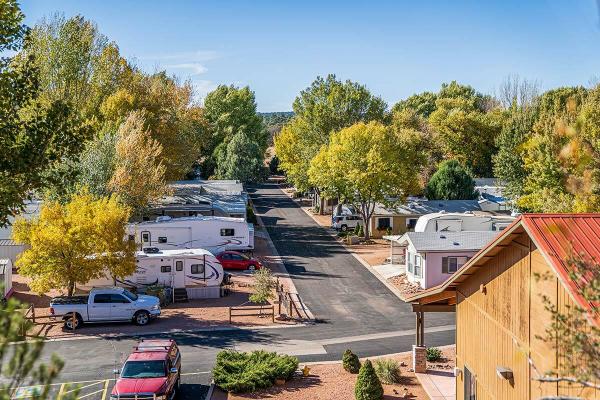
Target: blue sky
[[395, 48]]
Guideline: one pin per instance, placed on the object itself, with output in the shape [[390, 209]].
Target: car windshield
[[143, 369], [130, 296]]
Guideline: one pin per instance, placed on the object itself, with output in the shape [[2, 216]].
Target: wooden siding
[[498, 326]]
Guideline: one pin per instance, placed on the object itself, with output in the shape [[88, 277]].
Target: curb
[[279, 260]]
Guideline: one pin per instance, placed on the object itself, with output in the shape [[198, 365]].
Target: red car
[[235, 260], [152, 371]]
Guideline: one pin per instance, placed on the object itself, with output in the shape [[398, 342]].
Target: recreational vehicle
[[5, 278], [197, 271], [458, 222], [213, 233]]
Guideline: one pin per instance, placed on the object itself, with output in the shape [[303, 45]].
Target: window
[[418, 269], [165, 268], [102, 298], [383, 223], [146, 237], [144, 369], [197, 269], [117, 298], [451, 264], [236, 215], [227, 232], [162, 239], [237, 257], [129, 295], [178, 265], [411, 223]]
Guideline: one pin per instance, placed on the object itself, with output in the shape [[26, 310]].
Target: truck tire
[[344, 228], [141, 318], [69, 322]]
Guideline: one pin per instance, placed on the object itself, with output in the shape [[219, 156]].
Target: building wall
[[11, 252], [498, 326], [398, 225], [433, 269]]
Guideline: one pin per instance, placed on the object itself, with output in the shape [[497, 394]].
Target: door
[[99, 309], [179, 274], [146, 239], [239, 262], [226, 261], [120, 307], [469, 385]]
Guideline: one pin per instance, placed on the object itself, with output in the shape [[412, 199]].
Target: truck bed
[[64, 300]]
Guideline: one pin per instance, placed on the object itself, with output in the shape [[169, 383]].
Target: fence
[[45, 319], [250, 311], [291, 302]]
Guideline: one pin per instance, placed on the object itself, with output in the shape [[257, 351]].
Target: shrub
[[388, 371], [350, 362], [357, 229], [433, 354], [246, 372], [250, 216], [368, 386], [361, 231], [264, 284]]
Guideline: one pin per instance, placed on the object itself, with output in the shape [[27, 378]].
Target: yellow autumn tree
[[139, 175], [72, 243]]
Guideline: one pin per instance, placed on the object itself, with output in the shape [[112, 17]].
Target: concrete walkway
[[439, 385], [389, 270]]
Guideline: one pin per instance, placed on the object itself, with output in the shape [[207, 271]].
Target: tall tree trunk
[[71, 288]]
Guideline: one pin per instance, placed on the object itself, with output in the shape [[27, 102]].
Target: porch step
[[180, 295]]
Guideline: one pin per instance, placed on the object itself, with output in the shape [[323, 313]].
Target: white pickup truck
[[105, 305]]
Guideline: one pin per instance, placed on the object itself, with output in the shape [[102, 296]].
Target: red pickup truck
[[152, 372]]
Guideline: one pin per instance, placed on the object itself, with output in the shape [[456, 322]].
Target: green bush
[[357, 229], [368, 386], [240, 372], [433, 354], [388, 371], [350, 362], [361, 231], [250, 216]]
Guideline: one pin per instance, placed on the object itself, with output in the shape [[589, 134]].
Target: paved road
[[354, 309]]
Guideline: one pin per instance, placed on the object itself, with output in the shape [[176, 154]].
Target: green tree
[[19, 359], [264, 285], [326, 106], [350, 362], [451, 182], [35, 135], [73, 243], [366, 164], [240, 159], [368, 386], [97, 164], [422, 104]]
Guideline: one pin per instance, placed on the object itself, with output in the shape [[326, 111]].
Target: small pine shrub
[[246, 372], [350, 362], [361, 231], [368, 386], [433, 354], [357, 229], [388, 371]]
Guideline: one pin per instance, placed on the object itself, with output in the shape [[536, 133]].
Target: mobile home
[[458, 222], [212, 233]]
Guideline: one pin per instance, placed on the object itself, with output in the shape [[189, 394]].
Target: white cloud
[[203, 87], [194, 67]]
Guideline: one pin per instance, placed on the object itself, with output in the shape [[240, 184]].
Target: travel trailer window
[[145, 237], [162, 239], [165, 268], [410, 264], [411, 223], [178, 265], [227, 232], [197, 269]]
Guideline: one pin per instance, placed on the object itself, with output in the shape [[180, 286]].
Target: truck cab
[[152, 371]]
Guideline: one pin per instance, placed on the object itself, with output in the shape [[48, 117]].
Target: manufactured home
[[197, 271], [6, 278], [502, 297], [213, 233]]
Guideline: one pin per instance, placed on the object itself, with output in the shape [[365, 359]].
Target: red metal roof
[[560, 236]]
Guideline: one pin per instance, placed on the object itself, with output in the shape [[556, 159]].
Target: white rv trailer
[[457, 222], [207, 232], [6, 278], [180, 268]]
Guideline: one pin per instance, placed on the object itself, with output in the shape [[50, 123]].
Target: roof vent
[[456, 243], [442, 237], [151, 250], [163, 218]]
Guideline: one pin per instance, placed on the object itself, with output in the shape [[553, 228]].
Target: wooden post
[[422, 328], [229, 315], [33, 313], [273, 313]]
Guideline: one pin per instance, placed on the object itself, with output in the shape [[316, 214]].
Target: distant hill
[[274, 121]]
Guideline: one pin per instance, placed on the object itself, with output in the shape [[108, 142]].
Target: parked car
[[152, 371], [345, 222], [235, 260], [104, 305]]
